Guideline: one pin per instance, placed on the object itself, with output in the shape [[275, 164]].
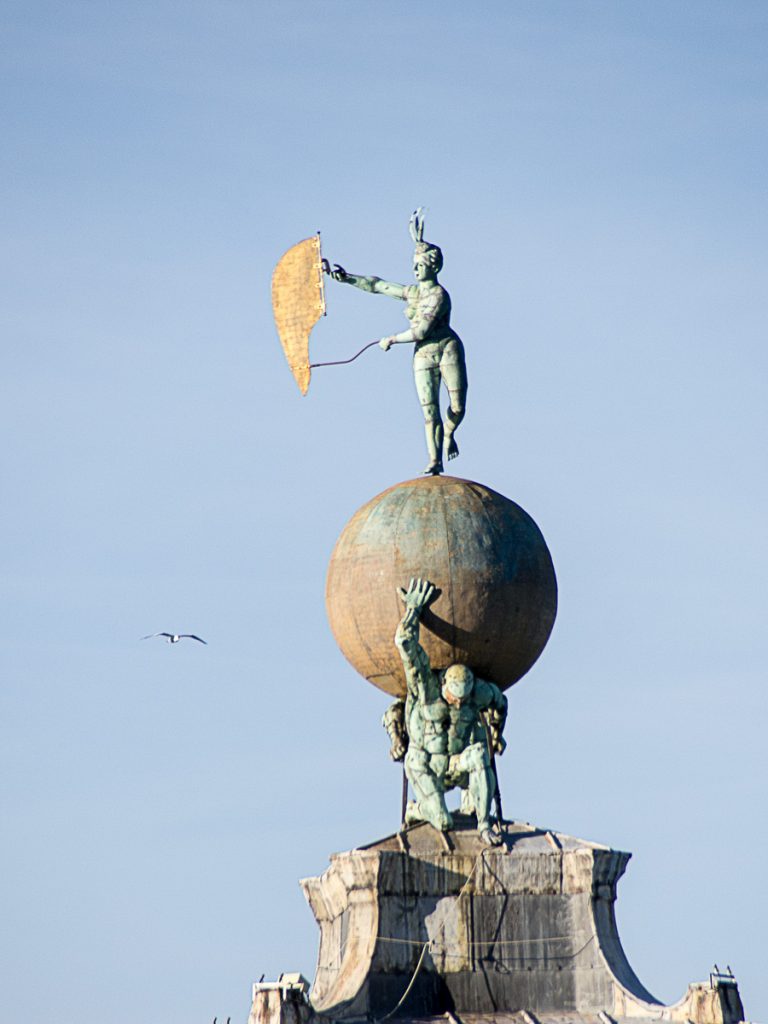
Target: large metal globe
[[497, 593]]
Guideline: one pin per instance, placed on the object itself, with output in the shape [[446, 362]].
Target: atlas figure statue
[[445, 729]]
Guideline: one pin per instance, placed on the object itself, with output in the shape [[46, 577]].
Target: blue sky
[[595, 175]]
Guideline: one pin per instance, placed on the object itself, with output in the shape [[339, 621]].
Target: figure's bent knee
[[457, 406], [476, 758], [417, 763]]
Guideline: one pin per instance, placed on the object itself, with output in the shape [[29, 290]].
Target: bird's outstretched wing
[[150, 635], [192, 636]]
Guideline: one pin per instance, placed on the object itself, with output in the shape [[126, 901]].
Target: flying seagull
[[173, 638]]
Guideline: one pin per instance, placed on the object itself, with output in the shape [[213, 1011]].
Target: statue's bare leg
[[430, 799], [454, 374], [428, 388], [475, 761], [434, 435], [453, 417]]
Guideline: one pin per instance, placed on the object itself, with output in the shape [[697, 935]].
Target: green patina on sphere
[[497, 595]]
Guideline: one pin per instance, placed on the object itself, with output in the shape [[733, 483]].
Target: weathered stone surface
[[280, 1004], [525, 933]]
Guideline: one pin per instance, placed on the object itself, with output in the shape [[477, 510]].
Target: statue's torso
[[461, 727], [439, 728], [440, 332]]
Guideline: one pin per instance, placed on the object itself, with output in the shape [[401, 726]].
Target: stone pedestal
[[421, 924]]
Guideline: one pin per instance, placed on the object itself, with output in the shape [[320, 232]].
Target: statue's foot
[[488, 837], [434, 468], [440, 819], [452, 449], [412, 813]]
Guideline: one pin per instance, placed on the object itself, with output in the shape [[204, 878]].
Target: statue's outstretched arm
[[369, 284], [420, 679]]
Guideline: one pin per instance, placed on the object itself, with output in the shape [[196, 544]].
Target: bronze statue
[[438, 351], [447, 728]]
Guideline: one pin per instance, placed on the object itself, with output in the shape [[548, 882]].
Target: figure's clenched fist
[[398, 748], [394, 722]]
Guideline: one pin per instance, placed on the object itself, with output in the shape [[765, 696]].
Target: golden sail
[[298, 302]]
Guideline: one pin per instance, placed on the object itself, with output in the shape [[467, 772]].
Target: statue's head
[[427, 258], [458, 683]]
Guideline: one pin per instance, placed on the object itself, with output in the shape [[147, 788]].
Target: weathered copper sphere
[[497, 596]]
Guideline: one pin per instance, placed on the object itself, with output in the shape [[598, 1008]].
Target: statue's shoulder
[[441, 298], [485, 692]]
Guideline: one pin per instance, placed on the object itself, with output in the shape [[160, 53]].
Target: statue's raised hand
[[418, 595], [386, 343]]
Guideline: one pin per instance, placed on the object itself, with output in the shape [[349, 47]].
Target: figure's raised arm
[[375, 285], [420, 679]]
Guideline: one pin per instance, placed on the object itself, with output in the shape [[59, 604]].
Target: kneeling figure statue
[[444, 729]]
